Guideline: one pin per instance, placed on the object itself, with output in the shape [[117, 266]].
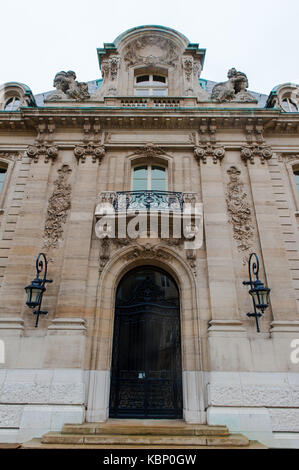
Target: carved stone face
[[61, 82]]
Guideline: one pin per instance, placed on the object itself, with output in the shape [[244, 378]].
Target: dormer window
[[289, 106], [151, 85], [12, 104]]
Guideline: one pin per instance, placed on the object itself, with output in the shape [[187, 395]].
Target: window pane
[[159, 78], [140, 178], [159, 91], [141, 92], [158, 179], [142, 78], [2, 177], [296, 176]]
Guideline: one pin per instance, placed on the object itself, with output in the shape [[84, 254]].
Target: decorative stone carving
[[239, 211], [96, 151], [188, 67], [208, 150], [149, 150], [235, 89], [50, 152], [136, 51], [59, 205], [68, 88], [10, 155], [147, 251], [248, 152]]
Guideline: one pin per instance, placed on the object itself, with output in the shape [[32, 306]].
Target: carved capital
[[50, 152], [249, 152], [202, 152], [97, 152]]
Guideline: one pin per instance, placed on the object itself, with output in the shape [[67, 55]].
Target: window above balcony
[[151, 85], [149, 177]]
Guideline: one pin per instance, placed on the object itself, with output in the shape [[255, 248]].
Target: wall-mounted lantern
[[36, 289], [259, 293]]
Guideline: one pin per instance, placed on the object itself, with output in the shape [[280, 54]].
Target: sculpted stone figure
[[234, 89], [68, 88]]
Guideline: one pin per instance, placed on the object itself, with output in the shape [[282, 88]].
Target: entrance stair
[[142, 434]]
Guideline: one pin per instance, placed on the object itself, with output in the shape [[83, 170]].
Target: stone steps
[[146, 440], [141, 434]]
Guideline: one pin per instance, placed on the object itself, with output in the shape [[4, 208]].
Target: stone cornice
[[272, 121]]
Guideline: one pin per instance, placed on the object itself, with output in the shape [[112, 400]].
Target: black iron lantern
[[36, 289], [259, 293]]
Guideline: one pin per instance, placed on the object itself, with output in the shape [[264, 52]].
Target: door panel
[[146, 364]]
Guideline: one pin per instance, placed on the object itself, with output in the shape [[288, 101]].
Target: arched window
[[3, 170], [289, 106], [149, 177], [12, 104], [151, 85]]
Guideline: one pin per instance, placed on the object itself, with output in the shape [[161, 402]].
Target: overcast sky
[[39, 38]]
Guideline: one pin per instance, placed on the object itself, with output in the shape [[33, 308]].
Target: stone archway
[[99, 376]]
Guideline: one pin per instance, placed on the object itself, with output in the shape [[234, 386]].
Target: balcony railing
[[148, 201]]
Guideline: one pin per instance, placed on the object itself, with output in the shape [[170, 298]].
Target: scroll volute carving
[[58, 208], [240, 215]]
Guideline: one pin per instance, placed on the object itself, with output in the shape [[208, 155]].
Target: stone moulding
[[239, 211], [58, 208]]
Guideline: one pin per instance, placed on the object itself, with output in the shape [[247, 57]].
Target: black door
[[146, 379]]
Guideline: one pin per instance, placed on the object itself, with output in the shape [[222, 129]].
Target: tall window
[[151, 85], [3, 171], [296, 177], [149, 177]]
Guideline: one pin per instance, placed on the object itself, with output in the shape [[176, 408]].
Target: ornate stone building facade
[[148, 326]]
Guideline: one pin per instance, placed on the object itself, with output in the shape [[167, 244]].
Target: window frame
[[151, 87], [149, 174]]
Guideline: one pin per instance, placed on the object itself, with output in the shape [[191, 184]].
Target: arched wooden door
[[146, 375]]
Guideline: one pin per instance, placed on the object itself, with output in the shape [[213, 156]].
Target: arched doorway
[[146, 375]]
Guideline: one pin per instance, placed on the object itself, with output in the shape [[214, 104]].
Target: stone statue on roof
[[234, 89], [68, 88]]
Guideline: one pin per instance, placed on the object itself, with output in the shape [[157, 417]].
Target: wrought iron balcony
[[148, 201]]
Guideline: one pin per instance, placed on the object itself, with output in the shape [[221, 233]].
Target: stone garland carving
[[239, 211], [208, 150], [96, 151], [169, 54], [58, 208], [234, 89], [248, 152], [67, 88]]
